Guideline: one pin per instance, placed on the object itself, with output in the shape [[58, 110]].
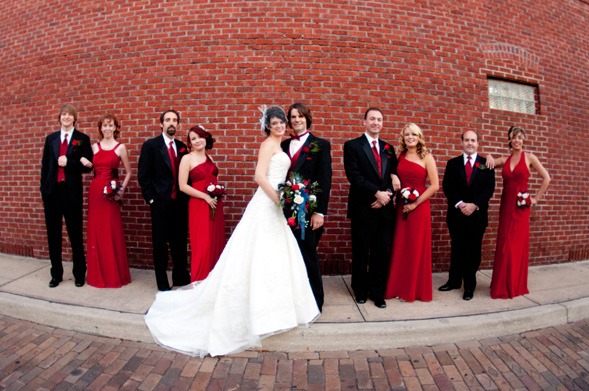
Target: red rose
[[75, 143], [182, 150], [477, 165], [291, 222], [295, 187], [412, 197], [306, 149], [387, 147]]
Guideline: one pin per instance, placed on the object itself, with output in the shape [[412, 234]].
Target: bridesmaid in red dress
[[510, 269], [206, 222], [107, 253], [410, 275]]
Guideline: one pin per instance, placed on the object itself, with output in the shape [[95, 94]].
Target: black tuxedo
[[169, 217], [466, 232], [314, 166], [371, 228], [65, 200]]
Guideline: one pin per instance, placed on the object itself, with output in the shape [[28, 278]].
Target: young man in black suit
[[66, 155], [311, 159], [370, 163], [158, 177], [468, 185]]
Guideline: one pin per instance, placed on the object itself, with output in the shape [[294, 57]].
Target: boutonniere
[[313, 147], [76, 143], [388, 150], [182, 150], [480, 166]]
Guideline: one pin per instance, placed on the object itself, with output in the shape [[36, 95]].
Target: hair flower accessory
[[262, 121]]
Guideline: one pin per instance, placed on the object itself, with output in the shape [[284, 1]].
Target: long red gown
[[107, 253], [410, 275], [510, 269], [207, 235]]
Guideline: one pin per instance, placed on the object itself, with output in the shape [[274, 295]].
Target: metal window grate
[[504, 95]]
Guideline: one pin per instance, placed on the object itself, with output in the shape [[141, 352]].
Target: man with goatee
[[158, 178]]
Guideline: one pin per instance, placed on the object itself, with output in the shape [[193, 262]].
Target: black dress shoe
[[468, 295], [380, 303], [360, 299], [164, 289], [447, 287], [80, 283], [54, 282]]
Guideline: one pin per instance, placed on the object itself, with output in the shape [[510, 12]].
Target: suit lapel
[[164, 152], [368, 151], [55, 143]]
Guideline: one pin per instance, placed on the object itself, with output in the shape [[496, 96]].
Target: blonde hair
[[421, 148]]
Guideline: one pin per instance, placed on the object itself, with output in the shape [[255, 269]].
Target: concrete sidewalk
[[559, 295]]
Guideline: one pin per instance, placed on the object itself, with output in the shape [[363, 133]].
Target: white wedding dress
[[259, 286]]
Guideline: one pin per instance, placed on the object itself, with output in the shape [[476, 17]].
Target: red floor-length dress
[[207, 235], [410, 275], [107, 253], [510, 269]]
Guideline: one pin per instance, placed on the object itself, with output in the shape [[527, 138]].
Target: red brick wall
[[217, 61]]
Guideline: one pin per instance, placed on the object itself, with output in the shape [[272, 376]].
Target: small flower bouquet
[[111, 191], [523, 199], [216, 191], [300, 196], [410, 195]]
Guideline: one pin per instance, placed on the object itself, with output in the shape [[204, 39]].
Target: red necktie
[[468, 169], [172, 154], [377, 157], [62, 152]]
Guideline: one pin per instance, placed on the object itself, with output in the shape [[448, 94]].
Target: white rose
[[312, 198], [211, 187], [298, 200]]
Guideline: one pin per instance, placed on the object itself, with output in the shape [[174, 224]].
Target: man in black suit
[[369, 163], [66, 155], [311, 159], [158, 177], [468, 185]]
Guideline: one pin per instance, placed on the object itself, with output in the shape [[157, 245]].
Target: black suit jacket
[[479, 191], [362, 173], [155, 174], [79, 146], [314, 166]]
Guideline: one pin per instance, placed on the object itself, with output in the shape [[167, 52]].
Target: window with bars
[[512, 96]]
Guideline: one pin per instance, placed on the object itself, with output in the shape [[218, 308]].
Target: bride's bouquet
[[299, 196]]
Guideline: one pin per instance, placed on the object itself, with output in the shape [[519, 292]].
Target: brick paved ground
[[39, 357]]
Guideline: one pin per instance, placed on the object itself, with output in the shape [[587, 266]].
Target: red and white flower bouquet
[[410, 195], [300, 196], [523, 199], [216, 191], [111, 191]]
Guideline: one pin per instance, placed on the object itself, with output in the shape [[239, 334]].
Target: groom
[[158, 178], [311, 159], [468, 185]]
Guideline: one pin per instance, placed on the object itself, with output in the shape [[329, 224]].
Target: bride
[[259, 285]]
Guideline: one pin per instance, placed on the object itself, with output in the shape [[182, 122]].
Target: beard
[[171, 130]]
